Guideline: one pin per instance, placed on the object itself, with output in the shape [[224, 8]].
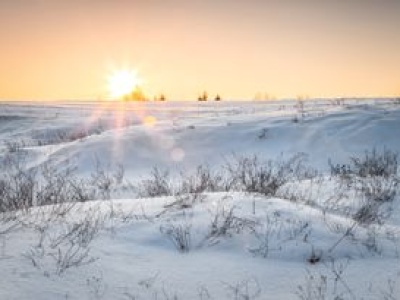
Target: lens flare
[[149, 121], [122, 83]]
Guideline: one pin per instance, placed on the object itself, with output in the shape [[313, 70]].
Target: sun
[[122, 82]]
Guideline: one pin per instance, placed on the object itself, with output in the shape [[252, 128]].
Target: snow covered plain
[[265, 217]]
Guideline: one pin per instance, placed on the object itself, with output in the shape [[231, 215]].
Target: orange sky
[[55, 49]]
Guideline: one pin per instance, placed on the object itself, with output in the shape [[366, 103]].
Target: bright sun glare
[[122, 82]]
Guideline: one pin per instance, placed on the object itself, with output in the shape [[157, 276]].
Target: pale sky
[[55, 49]]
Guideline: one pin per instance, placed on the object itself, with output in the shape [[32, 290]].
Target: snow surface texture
[[313, 238]]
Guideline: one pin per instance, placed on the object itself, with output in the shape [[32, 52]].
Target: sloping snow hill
[[256, 221]]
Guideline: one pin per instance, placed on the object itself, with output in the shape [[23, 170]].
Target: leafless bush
[[60, 185], [72, 256], [66, 242], [179, 235], [376, 164], [252, 175], [17, 186], [81, 233], [249, 174], [225, 223], [373, 163], [159, 184], [80, 190], [104, 179], [374, 179], [22, 187], [341, 170], [379, 189], [201, 181], [377, 193], [369, 213], [191, 188], [274, 232], [320, 286]]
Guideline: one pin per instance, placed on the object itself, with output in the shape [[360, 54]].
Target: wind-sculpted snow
[[249, 200], [186, 134]]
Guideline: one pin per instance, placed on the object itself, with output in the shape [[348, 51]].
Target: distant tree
[[136, 95], [203, 97]]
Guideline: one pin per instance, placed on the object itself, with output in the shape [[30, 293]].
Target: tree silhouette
[[203, 97], [136, 95]]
